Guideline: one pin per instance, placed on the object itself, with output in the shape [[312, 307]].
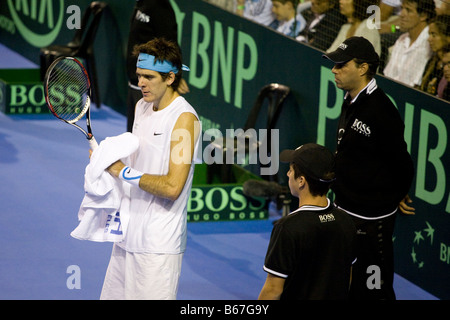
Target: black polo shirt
[[313, 249]]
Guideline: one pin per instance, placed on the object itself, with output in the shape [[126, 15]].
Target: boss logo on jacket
[[349, 111], [361, 127]]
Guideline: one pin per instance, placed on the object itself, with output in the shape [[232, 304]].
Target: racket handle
[[93, 143]]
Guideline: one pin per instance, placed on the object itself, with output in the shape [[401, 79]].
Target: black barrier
[[231, 59]]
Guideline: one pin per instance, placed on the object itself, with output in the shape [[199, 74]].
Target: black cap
[[354, 48], [314, 160]]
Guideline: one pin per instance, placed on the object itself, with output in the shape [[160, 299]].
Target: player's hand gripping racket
[[67, 91]]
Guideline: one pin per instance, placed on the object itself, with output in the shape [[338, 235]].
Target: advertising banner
[[221, 202]]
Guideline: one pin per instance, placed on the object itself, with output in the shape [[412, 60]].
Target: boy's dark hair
[[316, 187], [163, 49]]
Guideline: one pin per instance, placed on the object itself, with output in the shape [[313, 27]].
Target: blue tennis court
[[42, 164]]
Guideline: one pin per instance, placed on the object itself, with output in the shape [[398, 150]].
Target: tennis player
[[311, 250], [147, 263]]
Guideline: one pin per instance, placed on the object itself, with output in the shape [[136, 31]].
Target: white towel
[[103, 213]]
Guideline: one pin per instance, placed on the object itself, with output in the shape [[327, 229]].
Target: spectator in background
[[438, 38], [411, 51], [357, 24], [289, 22], [389, 29], [323, 21], [443, 90], [259, 11], [389, 15]]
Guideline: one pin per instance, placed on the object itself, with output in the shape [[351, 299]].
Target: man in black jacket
[[374, 170]]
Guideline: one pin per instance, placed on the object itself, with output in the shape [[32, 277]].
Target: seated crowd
[[412, 37]]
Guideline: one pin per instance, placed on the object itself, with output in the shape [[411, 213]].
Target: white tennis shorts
[[141, 276]]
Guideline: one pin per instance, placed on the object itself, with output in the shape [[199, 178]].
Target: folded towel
[[103, 213]]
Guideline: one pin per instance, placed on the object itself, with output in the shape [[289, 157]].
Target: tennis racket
[[67, 91]]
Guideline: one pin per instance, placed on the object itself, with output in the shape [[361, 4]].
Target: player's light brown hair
[[163, 49]]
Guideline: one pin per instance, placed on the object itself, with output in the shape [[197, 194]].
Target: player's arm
[[272, 289], [169, 186]]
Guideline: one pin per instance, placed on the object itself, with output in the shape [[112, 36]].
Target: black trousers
[[373, 271]]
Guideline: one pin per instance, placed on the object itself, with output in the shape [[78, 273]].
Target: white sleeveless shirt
[[157, 225]]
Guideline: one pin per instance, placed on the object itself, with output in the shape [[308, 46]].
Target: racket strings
[[67, 90]]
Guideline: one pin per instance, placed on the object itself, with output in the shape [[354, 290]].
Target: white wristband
[[130, 175]]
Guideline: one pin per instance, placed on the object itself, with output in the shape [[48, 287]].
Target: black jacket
[[150, 19], [374, 170]]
